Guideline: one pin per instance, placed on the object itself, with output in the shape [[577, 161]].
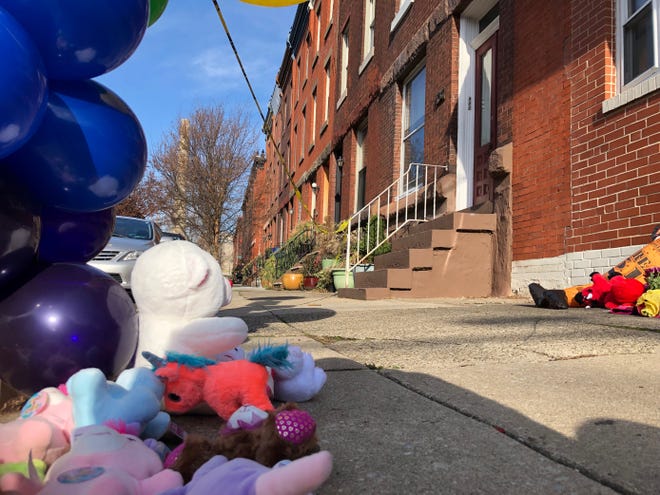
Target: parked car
[[130, 238], [171, 236]]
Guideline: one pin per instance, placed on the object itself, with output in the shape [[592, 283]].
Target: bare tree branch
[[202, 168]]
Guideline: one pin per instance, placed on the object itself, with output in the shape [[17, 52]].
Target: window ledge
[[403, 9], [632, 93], [366, 61]]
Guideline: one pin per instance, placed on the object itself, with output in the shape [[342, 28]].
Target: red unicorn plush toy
[[226, 386]]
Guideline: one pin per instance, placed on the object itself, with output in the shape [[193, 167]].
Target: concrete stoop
[[451, 256]]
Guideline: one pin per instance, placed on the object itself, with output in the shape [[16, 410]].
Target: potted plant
[[311, 265], [292, 280], [328, 243]]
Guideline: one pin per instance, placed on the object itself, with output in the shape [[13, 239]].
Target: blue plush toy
[[134, 399]]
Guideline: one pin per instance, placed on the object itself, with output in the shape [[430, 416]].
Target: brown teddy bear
[[286, 433]]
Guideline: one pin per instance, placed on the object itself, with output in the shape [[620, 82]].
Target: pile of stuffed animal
[[94, 436], [624, 295]]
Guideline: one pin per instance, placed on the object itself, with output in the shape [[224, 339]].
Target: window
[[313, 133], [317, 38], [369, 28], [308, 56], [338, 181], [326, 108], [361, 166], [303, 136], [638, 38], [296, 144], [412, 149], [343, 77], [299, 75], [402, 8]]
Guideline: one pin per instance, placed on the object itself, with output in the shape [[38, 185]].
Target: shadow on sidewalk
[[619, 454]]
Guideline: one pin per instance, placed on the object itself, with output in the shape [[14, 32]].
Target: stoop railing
[[409, 199]]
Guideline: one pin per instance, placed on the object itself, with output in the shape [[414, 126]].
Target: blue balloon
[[23, 85], [20, 229], [82, 39], [88, 154], [74, 236], [65, 318]]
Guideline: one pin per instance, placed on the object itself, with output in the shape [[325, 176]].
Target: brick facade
[[576, 164]]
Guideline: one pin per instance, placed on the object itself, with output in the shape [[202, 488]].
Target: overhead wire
[[266, 128]]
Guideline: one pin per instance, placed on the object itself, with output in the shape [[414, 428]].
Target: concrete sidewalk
[[472, 396]]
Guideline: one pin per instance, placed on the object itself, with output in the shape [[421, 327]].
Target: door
[[485, 118]]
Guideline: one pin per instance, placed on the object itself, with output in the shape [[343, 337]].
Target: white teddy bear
[[178, 289]]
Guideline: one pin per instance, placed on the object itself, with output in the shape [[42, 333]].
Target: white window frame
[[369, 37], [343, 68], [360, 138], [303, 136], [404, 7], [318, 30], [623, 18], [313, 123], [405, 115], [649, 80], [326, 106]]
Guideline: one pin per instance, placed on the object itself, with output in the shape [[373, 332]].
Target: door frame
[[489, 45], [469, 40]]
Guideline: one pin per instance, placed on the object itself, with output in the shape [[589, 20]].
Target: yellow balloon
[[274, 3]]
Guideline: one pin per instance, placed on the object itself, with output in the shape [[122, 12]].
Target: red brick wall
[[541, 177], [616, 157], [375, 93]]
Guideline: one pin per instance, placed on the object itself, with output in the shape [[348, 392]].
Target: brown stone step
[[365, 294], [435, 239], [407, 258], [391, 277], [459, 221]]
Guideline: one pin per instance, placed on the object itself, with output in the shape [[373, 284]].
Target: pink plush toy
[[43, 427], [246, 477], [101, 462]]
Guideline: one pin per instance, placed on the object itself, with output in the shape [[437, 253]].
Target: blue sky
[[185, 61]]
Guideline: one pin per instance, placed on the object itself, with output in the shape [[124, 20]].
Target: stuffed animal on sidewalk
[[134, 399], [43, 427], [225, 386], [220, 476], [268, 437], [101, 462], [178, 289], [298, 381], [613, 293]]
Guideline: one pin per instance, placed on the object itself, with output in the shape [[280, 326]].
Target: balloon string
[[240, 63], [266, 128]]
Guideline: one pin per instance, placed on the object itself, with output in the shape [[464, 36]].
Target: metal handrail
[[294, 249], [397, 205]]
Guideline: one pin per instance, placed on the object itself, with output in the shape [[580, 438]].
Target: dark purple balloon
[[20, 228], [74, 236], [65, 318]]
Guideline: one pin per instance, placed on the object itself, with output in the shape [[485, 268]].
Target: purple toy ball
[[72, 236], [65, 318]]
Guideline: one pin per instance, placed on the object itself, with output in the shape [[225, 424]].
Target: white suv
[[130, 238]]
